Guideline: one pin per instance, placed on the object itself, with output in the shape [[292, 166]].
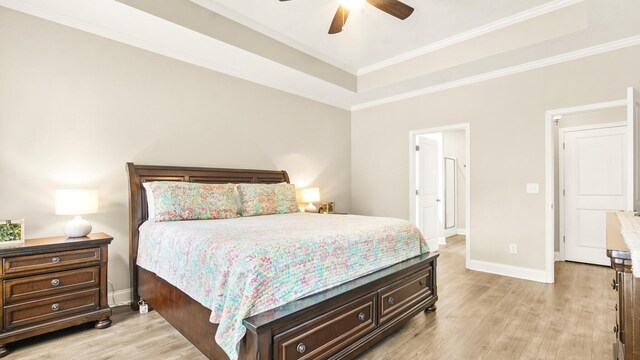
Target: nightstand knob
[[362, 316], [55, 260], [390, 300], [301, 348], [55, 282], [55, 307], [423, 282]]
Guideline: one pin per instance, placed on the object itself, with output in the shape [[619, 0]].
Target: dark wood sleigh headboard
[[139, 174]]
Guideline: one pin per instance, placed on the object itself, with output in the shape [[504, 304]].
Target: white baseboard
[[558, 256], [507, 270], [442, 241], [461, 231], [122, 297]]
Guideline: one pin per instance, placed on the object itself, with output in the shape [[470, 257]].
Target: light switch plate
[[533, 188]]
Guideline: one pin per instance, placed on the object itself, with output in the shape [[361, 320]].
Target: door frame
[[413, 135], [550, 147], [561, 171]]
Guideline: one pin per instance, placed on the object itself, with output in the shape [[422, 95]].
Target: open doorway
[[620, 155], [439, 184]]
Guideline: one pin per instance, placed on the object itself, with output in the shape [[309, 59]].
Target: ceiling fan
[[391, 7]]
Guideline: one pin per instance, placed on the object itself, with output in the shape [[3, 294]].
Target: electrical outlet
[[513, 248]]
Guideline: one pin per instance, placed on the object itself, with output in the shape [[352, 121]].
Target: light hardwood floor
[[479, 316]]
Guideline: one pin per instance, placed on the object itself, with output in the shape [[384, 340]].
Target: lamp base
[[78, 227], [311, 208]]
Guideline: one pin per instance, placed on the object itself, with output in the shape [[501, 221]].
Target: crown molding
[[116, 21], [482, 30], [537, 64]]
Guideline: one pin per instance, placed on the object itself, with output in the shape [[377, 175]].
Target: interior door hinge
[[417, 147], [563, 192], [417, 192], [563, 146], [564, 239]]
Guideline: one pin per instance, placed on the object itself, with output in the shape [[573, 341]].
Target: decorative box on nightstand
[[53, 283]]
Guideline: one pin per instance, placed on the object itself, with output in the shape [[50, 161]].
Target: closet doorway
[[439, 184]]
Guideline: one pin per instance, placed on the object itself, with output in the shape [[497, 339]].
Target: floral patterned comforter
[[243, 266]]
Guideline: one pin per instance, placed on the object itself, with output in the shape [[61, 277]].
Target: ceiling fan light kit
[[394, 8], [352, 4]]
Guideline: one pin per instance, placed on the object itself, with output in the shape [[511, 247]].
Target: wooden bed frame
[[340, 322]]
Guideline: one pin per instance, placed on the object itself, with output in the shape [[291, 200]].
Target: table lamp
[[310, 195], [76, 202]]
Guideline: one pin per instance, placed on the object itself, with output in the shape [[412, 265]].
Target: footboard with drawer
[[362, 312]]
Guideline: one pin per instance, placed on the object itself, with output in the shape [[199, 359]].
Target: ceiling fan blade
[[339, 20], [393, 7]]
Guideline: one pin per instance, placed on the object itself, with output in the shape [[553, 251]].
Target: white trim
[[461, 231], [561, 166], [550, 188], [119, 22], [442, 240], [558, 256], [122, 297], [537, 64], [507, 270], [473, 33], [412, 176]]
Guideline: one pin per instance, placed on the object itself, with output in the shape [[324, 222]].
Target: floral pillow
[[174, 200], [265, 199]]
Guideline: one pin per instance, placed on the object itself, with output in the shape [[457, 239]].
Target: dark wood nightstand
[[53, 283]]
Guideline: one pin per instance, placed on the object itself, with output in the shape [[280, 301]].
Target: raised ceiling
[[370, 36], [544, 34]]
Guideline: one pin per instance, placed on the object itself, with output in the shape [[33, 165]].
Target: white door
[[595, 182], [428, 198]]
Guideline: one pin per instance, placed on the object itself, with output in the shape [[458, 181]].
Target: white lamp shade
[[76, 202], [311, 195]]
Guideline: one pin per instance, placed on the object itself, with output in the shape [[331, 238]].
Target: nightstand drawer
[[39, 286], [49, 261], [52, 308]]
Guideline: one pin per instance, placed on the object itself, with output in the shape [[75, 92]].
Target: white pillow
[[151, 208]]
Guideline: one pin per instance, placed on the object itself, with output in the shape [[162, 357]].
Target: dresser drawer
[[325, 335], [398, 297], [49, 309], [39, 286], [49, 261]]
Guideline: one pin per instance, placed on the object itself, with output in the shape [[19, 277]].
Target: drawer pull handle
[[55, 260], [614, 284], [301, 348], [55, 282], [55, 307], [615, 328], [423, 282], [615, 306], [390, 300], [362, 316]]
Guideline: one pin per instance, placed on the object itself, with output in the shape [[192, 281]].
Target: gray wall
[[75, 107], [506, 116]]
